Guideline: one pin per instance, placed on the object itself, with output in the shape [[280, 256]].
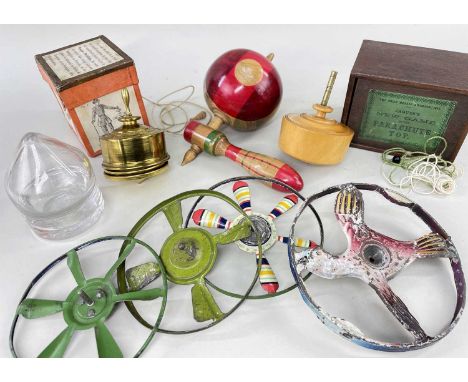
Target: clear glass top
[[48, 177]]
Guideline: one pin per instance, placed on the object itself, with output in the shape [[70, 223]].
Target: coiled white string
[[171, 116], [423, 173]]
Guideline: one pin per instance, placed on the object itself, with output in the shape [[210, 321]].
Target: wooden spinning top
[[243, 90], [314, 138], [216, 143], [133, 151]]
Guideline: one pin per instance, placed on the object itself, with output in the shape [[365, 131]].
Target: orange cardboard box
[[86, 79]]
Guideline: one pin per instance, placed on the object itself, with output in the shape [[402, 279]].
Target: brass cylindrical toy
[[133, 151], [314, 138]]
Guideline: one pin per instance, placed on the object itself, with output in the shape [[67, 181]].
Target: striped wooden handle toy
[[215, 143]]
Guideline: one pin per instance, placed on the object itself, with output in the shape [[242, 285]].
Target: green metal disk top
[[90, 303], [188, 255]]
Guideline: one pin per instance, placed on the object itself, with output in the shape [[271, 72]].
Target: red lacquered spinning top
[[243, 90]]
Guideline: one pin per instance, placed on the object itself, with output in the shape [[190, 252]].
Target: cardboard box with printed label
[[87, 78]]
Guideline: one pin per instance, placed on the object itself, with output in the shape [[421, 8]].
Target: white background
[[169, 57]]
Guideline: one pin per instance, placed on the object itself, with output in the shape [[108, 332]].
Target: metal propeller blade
[[173, 212], [107, 347], [57, 348], [298, 242], [209, 219], [73, 263], [267, 277], [142, 275], [284, 205], [35, 308], [204, 305], [237, 232], [398, 308], [144, 295], [129, 246], [432, 245], [241, 191], [349, 206]]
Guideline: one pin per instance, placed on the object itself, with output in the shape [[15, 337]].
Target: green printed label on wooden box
[[405, 120]]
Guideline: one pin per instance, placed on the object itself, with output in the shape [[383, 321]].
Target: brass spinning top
[[133, 151]]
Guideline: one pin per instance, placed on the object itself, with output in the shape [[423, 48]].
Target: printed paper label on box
[[405, 120], [100, 116], [81, 59]]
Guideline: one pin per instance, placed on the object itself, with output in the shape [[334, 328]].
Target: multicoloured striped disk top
[[243, 87], [264, 229]]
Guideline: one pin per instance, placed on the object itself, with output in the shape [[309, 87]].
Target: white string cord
[[171, 116], [420, 172]]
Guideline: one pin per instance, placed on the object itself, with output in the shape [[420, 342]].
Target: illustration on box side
[[100, 116]]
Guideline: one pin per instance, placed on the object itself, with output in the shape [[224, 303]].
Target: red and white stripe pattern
[[241, 191], [209, 219], [285, 204]]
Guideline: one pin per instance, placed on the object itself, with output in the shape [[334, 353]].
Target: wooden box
[[399, 96], [86, 79]]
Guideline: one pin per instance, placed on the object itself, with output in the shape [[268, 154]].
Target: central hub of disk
[[375, 255], [264, 228], [188, 254], [86, 305]]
